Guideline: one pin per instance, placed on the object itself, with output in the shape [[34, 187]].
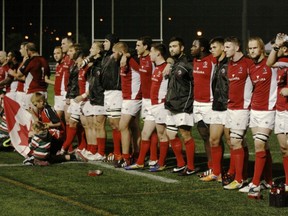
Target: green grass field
[[66, 189]]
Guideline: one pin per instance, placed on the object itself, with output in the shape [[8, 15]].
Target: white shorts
[[26, 100], [217, 117], [201, 111], [146, 104], [113, 103], [157, 113], [179, 119], [263, 119], [74, 108], [281, 122], [92, 110], [131, 107], [59, 102], [237, 119]]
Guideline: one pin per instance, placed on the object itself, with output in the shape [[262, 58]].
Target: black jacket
[[96, 91], [220, 86], [110, 73], [73, 87], [179, 97]]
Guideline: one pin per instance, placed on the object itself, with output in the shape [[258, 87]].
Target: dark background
[[134, 18]]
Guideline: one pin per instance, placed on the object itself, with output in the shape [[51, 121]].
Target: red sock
[[93, 148], [144, 148], [245, 165], [176, 145], [101, 145], [260, 159], [116, 141], [210, 164], [239, 161], [232, 162], [285, 165], [268, 168], [83, 142], [126, 156], [190, 152], [154, 147], [71, 133], [216, 154], [164, 146]]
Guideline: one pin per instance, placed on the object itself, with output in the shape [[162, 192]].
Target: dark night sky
[[134, 18]]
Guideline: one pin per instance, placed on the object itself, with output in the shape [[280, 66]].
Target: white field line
[[107, 166], [137, 173]]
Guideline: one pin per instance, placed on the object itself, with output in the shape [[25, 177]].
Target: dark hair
[[217, 39], [17, 55], [31, 47], [234, 40], [204, 42], [70, 39], [112, 38], [78, 51], [161, 48], [180, 40], [146, 40]]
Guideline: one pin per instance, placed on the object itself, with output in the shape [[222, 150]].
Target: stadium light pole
[[77, 21], [3, 24], [92, 21], [41, 27], [244, 24]]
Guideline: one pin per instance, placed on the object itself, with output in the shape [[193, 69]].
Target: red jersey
[[68, 63], [82, 80], [60, 88], [282, 81], [145, 69], [159, 85], [240, 85], [264, 86], [202, 74], [130, 81], [3, 75], [47, 115], [35, 69]]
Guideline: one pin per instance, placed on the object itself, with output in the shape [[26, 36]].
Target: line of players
[[222, 91]]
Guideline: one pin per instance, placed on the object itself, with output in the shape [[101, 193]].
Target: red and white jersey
[[264, 86], [145, 69], [130, 81], [282, 80], [240, 84], [35, 72], [3, 75], [159, 85], [202, 74], [82, 80], [68, 63], [59, 86]]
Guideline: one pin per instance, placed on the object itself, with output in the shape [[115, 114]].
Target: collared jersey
[[264, 86], [145, 69], [202, 74], [158, 85], [130, 80], [240, 84]]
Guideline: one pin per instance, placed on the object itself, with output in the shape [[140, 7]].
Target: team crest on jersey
[[205, 64], [223, 71], [264, 70], [240, 69], [98, 73], [179, 72]]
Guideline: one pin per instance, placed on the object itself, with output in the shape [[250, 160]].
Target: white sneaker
[[286, 188], [254, 191], [99, 157], [152, 162], [246, 188], [264, 185]]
